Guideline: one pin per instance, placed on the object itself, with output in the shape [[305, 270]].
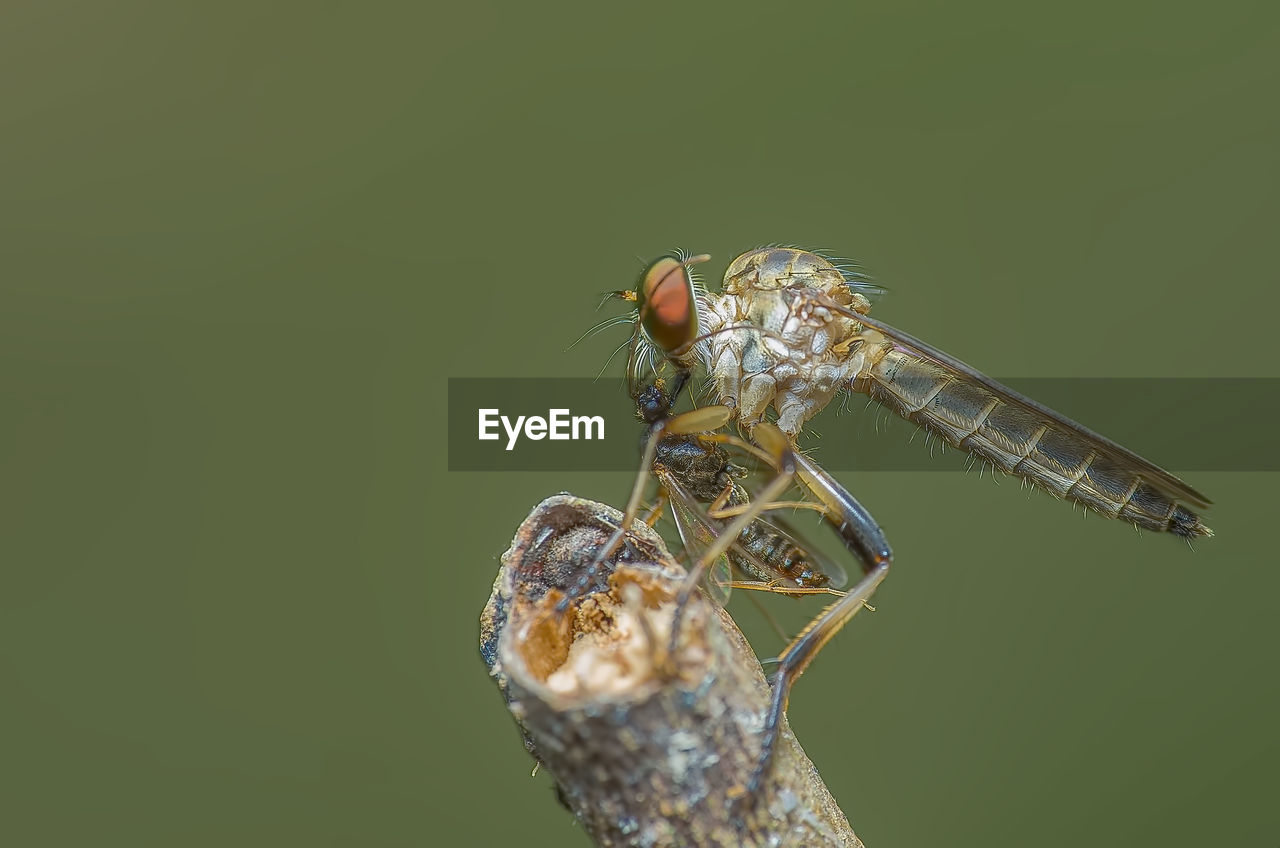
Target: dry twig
[[646, 750]]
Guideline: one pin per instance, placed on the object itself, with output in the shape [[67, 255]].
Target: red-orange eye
[[668, 311]]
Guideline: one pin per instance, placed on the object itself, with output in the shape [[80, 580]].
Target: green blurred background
[[244, 246]]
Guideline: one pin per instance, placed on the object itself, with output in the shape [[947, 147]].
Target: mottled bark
[[646, 749]]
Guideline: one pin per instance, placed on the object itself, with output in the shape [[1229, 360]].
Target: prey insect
[[789, 331], [699, 480], [695, 469]]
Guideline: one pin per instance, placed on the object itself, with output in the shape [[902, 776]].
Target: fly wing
[[697, 531], [1151, 473], [1027, 438]]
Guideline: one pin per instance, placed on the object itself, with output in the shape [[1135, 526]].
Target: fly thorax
[[757, 358], [769, 311], [700, 467]]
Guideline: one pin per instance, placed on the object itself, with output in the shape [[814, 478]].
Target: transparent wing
[[697, 530], [1151, 473]]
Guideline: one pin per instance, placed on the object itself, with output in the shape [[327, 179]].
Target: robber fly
[[790, 330]]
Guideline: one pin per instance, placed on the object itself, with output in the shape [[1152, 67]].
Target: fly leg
[[864, 539], [731, 511], [655, 511], [695, 421]]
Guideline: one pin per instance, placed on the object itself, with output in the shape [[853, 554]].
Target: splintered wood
[[619, 639], [647, 749]]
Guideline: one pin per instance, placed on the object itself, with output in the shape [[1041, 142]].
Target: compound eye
[[668, 312]]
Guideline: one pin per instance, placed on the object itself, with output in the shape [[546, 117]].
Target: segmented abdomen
[[775, 550], [1021, 441]]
